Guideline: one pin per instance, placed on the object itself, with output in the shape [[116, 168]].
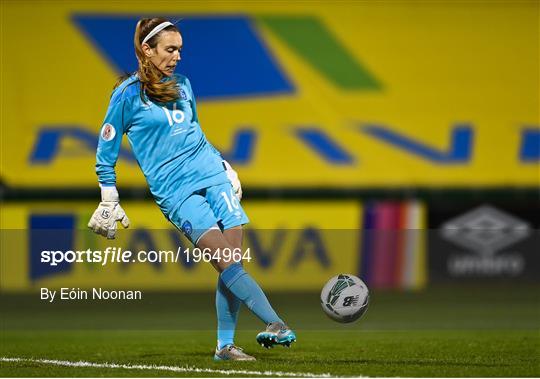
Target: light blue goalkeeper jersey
[[166, 139]]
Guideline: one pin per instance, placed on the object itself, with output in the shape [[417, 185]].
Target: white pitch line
[[164, 368]]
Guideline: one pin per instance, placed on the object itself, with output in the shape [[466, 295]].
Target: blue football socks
[[227, 308], [242, 285]]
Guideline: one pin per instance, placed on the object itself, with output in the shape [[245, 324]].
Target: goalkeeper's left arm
[[232, 175]]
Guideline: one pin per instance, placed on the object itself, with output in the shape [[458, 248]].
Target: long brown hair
[[149, 75]]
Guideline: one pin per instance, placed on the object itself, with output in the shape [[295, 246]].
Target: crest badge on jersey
[[108, 132], [183, 94], [187, 228]]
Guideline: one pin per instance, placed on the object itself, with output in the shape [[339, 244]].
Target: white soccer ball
[[345, 298]]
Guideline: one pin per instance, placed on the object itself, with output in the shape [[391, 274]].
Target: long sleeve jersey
[[166, 139]]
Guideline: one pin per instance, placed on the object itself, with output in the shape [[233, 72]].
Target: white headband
[[156, 30]]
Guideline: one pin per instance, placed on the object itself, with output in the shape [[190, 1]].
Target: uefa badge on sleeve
[[108, 132]]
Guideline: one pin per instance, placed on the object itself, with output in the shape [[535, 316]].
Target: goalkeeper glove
[[108, 212], [233, 178]]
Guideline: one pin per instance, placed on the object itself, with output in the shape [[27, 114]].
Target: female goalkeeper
[[194, 187]]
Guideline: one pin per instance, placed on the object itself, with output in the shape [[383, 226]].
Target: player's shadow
[[201, 354], [197, 354]]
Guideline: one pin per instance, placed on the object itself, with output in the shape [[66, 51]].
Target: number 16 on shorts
[[231, 200]]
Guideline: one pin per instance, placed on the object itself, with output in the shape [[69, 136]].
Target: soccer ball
[[345, 298]]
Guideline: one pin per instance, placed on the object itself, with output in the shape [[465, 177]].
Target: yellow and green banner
[[344, 95]]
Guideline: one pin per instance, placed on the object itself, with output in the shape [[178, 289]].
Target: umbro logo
[[485, 230]]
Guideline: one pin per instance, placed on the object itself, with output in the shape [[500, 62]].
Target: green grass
[[445, 332]]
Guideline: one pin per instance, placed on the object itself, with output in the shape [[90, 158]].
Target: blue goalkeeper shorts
[[210, 208]]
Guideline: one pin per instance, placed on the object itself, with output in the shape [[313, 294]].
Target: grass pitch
[[457, 332]]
